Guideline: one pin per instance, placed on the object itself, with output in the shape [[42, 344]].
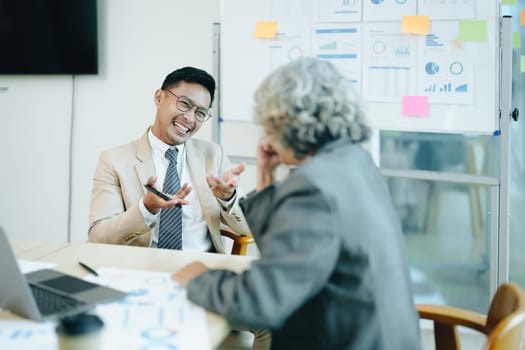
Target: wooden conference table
[[67, 255]]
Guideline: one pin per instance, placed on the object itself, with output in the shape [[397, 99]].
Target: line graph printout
[[341, 45]]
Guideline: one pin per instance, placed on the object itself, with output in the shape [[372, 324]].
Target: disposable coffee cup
[[79, 332]]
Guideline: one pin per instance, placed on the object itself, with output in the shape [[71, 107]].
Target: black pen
[[89, 269], [160, 194]]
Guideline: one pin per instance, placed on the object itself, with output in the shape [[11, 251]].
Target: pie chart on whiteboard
[[431, 68], [376, 2]]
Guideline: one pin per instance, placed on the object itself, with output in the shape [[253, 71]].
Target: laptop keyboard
[[50, 303]]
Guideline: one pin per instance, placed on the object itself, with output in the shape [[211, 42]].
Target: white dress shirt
[[194, 229]]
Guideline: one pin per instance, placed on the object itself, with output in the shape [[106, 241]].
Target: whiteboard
[[457, 80]]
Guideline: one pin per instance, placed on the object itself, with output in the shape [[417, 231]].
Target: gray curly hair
[[308, 103]]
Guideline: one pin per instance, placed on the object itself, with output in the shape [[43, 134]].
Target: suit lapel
[[143, 160], [197, 165]]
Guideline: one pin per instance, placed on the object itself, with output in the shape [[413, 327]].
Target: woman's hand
[[189, 272], [267, 161]]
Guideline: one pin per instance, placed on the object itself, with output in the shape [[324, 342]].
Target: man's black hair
[[190, 75]]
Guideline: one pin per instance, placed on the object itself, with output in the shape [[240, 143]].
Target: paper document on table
[[155, 314], [24, 334], [27, 266]]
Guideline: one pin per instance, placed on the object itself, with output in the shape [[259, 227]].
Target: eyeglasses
[[184, 104]]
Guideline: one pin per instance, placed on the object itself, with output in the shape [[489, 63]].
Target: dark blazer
[[333, 272]]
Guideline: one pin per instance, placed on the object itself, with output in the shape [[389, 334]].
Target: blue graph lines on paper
[[159, 339], [431, 40], [337, 56], [461, 88], [16, 335], [155, 315], [349, 3], [335, 30], [138, 292], [389, 67], [445, 88], [402, 50]]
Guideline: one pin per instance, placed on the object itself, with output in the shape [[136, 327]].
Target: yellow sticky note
[[522, 64], [265, 29], [509, 2], [473, 30], [415, 24], [516, 40]]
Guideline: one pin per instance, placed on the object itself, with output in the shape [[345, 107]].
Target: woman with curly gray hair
[[332, 272]]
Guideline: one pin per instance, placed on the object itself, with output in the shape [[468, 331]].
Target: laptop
[[46, 294]]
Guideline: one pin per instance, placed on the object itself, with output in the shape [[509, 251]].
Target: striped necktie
[[170, 228]]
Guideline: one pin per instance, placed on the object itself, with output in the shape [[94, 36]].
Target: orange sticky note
[[265, 29], [415, 106], [522, 18], [415, 24]]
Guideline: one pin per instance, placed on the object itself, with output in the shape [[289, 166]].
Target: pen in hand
[[158, 193], [89, 269]]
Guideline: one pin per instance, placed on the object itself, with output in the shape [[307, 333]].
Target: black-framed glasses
[[185, 104]]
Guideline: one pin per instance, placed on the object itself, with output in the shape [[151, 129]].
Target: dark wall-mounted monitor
[[48, 37]]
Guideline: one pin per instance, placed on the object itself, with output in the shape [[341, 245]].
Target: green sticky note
[[473, 30], [516, 40], [509, 2], [522, 64]]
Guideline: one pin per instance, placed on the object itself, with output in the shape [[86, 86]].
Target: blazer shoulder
[[201, 144], [121, 150], [205, 147]]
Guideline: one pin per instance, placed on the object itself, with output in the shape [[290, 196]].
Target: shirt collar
[[159, 146]]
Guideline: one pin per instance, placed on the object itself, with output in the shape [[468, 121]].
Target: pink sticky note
[[415, 106]]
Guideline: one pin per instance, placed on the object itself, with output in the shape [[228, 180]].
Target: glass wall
[[446, 217], [441, 186]]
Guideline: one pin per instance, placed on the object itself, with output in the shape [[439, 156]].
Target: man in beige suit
[[123, 212]]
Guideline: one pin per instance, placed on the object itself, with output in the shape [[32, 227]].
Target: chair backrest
[[508, 298], [506, 318], [508, 334], [503, 325], [240, 242]]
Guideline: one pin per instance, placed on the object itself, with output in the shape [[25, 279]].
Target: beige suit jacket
[[118, 185]]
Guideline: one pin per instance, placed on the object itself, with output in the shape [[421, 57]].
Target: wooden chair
[[240, 242], [503, 325]]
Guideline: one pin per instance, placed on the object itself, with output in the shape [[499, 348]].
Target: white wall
[[34, 153], [140, 42]]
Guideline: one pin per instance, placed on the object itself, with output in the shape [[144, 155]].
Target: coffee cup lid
[[79, 324]]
